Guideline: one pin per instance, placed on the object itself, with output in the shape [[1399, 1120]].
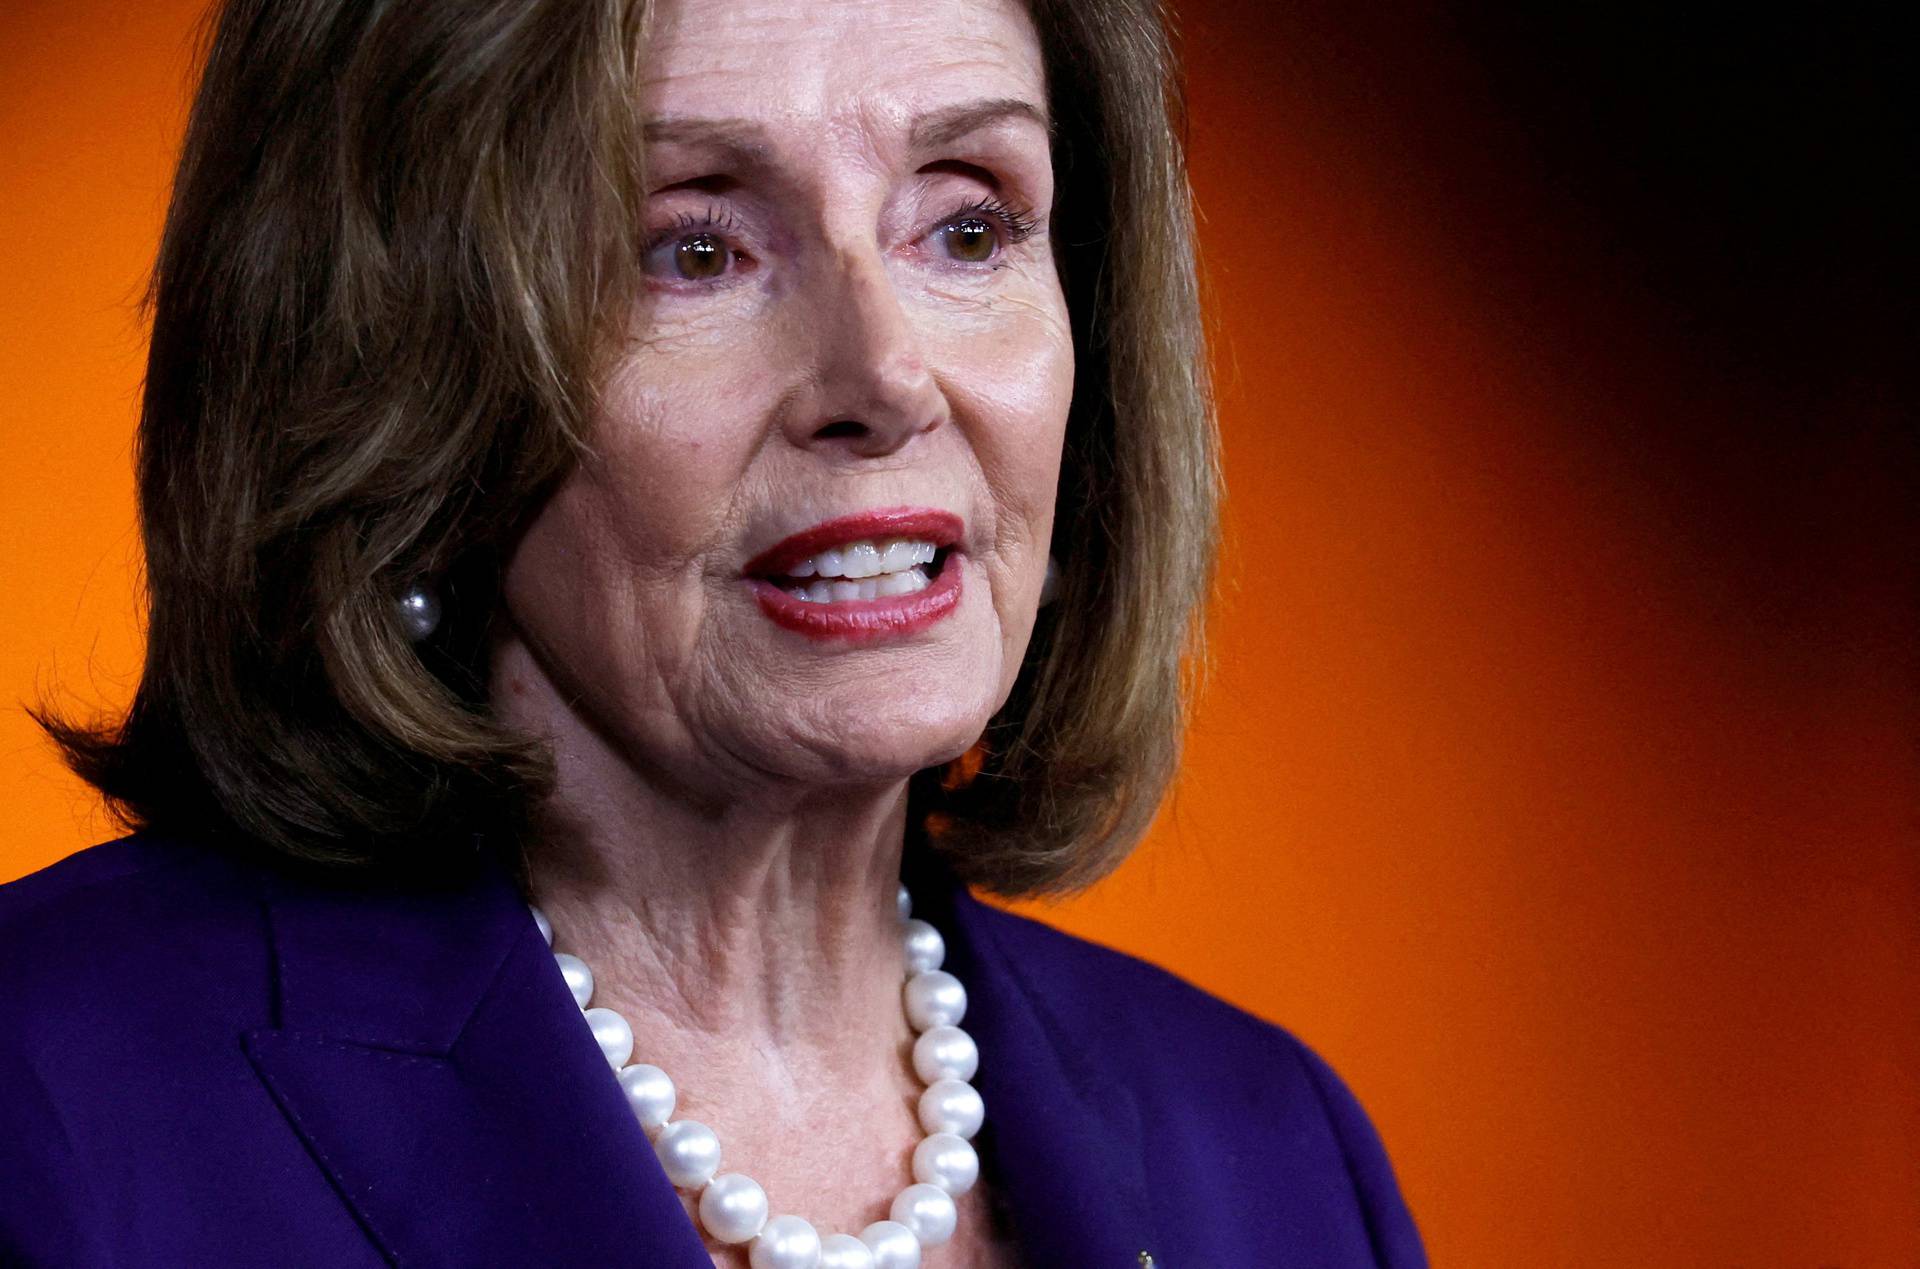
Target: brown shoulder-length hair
[[398, 240]]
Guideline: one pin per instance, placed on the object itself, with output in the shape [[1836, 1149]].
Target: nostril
[[841, 427]]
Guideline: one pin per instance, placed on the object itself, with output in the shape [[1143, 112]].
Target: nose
[[871, 389]]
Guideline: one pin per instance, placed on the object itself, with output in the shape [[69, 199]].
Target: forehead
[[837, 68]]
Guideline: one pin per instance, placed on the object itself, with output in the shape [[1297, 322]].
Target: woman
[[607, 460]]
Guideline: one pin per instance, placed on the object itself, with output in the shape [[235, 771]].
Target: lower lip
[[864, 620]]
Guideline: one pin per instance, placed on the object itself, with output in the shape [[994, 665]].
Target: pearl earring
[[1050, 585], [419, 612]]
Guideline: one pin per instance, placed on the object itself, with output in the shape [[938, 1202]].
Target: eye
[[694, 250], [979, 232], [971, 240], [700, 258]]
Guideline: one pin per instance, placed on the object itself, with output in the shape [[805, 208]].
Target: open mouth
[[863, 576], [866, 569]]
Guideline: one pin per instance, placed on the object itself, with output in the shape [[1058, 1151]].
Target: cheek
[[620, 548], [555, 592], [1026, 377], [1013, 376], [608, 582], [670, 454]]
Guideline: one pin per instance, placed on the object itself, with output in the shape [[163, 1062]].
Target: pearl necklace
[[734, 1209]]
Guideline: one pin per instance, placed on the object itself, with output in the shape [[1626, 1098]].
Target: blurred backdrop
[[1559, 773]]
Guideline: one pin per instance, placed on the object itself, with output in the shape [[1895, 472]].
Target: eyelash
[[684, 224], [1018, 223]]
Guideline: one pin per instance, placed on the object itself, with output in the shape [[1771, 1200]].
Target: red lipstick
[[860, 620]]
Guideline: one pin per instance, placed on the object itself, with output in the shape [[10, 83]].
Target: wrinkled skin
[[847, 309], [845, 304]]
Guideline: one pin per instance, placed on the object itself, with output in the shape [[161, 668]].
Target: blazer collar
[[430, 1057]]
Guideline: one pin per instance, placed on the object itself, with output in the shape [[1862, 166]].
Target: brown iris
[[970, 240], [700, 258]]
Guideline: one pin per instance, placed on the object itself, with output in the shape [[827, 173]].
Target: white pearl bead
[[935, 999], [733, 1208], [844, 1251], [928, 1211], [650, 1093], [613, 1035], [787, 1243], [689, 1153], [952, 1106], [946, 1161], [945, 1053], [893, 1245], [925, 948], [579, 977], [420, 613]]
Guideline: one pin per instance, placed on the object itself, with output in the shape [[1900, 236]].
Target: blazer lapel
[[1063, 1142], [430, 1057]]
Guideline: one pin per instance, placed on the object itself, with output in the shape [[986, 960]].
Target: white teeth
[[901, 553], [885, 586], [865, 570], [903, 583], [868, 558], [861, 559]]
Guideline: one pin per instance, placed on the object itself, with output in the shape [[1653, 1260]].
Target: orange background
[[1557, 779]]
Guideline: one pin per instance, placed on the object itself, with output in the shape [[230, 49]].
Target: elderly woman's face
[[812, 540]]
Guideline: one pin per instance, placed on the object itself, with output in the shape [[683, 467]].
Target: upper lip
[[924, 524]]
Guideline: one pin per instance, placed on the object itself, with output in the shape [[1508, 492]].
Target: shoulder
[[1132, 1006], [143, 930], [109, 865], [1103, 987], [137, 889], [1213, 1073], [127, 971]]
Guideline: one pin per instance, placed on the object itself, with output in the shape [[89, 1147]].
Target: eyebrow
[[744, 141], [945, 126], [740, 139]]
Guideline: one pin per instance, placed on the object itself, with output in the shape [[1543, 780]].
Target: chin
[[865, 739]]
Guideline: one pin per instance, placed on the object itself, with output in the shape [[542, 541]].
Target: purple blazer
[[208, 1061]]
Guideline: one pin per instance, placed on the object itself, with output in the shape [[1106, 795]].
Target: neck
[[760, 914], [743, 922], [748, 929]]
